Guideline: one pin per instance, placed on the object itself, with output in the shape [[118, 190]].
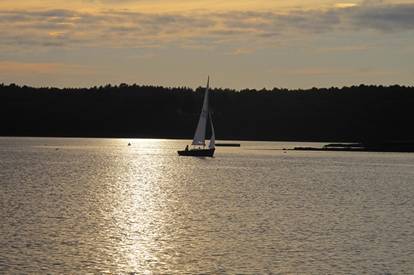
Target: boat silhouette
[[198, 146]]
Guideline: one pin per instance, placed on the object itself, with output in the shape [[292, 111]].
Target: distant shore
[[407, 147], [349, 114]]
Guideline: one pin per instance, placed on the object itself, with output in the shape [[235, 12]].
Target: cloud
[[333, 72], [384, 17], [22, 68], [123, 28], [346, 48], [345, 5]]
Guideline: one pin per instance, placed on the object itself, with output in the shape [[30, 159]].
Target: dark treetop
[[357, 113]]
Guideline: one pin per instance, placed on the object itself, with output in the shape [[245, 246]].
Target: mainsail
[[200, 133]]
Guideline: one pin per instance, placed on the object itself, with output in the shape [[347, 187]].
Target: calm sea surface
[[99, 206]]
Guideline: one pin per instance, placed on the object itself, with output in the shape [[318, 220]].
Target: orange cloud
[[13, 67], [117, 28], [345, 5]]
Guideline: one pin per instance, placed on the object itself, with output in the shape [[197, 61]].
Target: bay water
[[101, 206]]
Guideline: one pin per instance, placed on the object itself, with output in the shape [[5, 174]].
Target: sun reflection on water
[[143, 210]]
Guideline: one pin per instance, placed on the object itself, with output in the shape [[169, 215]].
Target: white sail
[[213, 135], [200, 133]]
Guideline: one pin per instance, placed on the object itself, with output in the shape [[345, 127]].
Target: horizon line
[[120, 85]]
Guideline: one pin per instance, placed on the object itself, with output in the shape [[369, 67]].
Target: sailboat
[[198, 146]]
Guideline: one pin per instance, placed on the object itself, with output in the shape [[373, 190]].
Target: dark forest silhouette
[[357, 113]]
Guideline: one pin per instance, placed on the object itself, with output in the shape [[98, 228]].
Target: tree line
[[356, 113]]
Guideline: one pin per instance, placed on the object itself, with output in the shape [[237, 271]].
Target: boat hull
[[197, 153]]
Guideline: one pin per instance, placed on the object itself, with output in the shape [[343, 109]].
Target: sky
[[240, 44]]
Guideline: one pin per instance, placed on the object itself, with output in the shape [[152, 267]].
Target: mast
[[200, 133]]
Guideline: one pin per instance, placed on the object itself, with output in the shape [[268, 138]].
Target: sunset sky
[[240, 44]]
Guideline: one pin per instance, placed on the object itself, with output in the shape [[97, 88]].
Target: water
[[99, 206]]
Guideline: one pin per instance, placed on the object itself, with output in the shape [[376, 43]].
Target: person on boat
[[186, 148]]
